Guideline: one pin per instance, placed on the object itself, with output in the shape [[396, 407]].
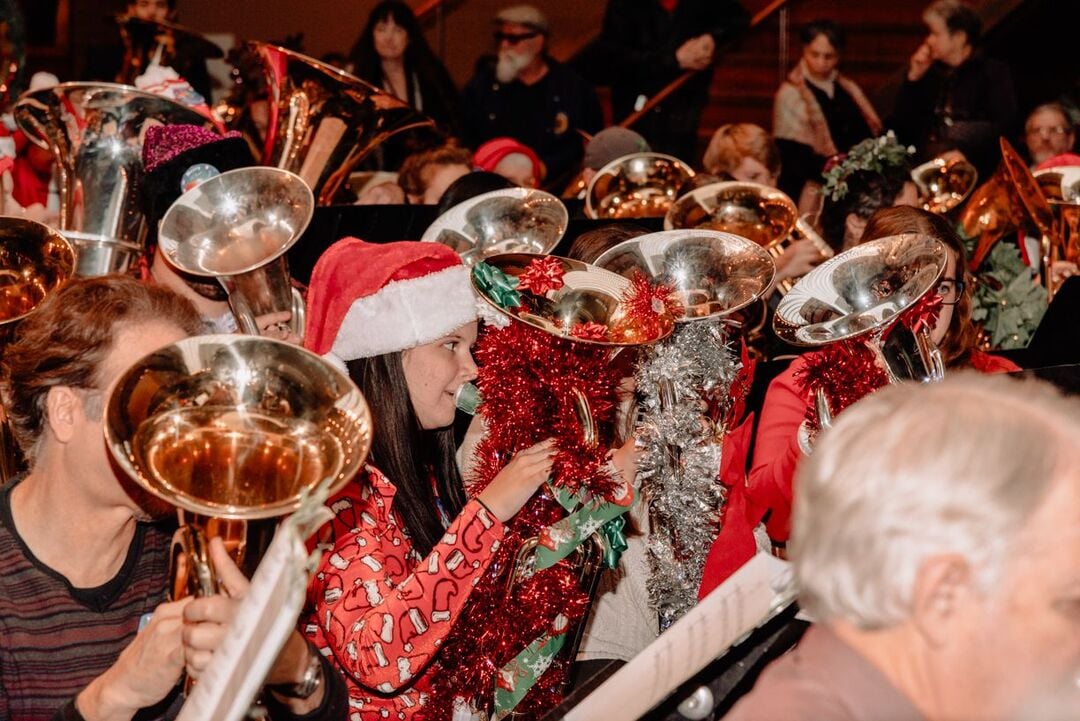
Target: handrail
[[426, 7], [663, 94]]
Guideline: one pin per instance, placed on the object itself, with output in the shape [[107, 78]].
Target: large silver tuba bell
[[95, 132], [861, 295], [514, 220], [323, 121], [750, 210], [236, 227], [230, 429], [642, 185]]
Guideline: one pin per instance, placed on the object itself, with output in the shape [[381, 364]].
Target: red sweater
[[776, 458], [378, 610]]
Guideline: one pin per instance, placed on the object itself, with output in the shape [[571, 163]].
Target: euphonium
[[323, 121], [230, 429], [944, 183], [1009, 201], [34, 259], [860, 295], [750, 210], [642, 185], [236, 227], [514, 220], [95, 133]]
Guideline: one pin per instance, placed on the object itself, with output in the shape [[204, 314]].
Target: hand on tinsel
[[518, 480], [625, 459]]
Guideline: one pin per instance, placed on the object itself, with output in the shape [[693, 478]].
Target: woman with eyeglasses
[[768, 491], [393, 55]]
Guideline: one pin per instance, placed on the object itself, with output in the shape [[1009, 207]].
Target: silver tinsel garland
[[679, 470]]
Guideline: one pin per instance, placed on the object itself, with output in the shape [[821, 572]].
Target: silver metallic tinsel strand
[[679, 470]]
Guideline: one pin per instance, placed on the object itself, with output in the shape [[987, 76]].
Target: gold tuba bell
[[642, 185], [236, 227], [944, 183], [231, 429], [34, 260], [324, 121], [750, 210]]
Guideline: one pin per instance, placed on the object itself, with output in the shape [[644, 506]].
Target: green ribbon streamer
[[497, 285], [592, 515]]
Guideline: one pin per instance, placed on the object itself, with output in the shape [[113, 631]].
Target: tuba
[[750, 210], [1011, 200], [34, 259], [236, 227], [231, 429], [95, 132], [514, 220], [324, 121], [944, 183], [1061, 187], [860, 296], [642, 185]]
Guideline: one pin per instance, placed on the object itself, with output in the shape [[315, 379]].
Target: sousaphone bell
[[513, 220], [236, 227], [231, 429]]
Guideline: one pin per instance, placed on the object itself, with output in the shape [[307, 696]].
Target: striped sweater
[[54, 638]]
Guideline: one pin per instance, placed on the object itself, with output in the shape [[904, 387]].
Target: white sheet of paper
[[722, 619]]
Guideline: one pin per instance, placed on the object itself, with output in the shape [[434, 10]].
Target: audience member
[[392, 54], [512, 160], [743, 151], [1048, 132], [526, 94], [954, 97], [817, 111], [936, 552]]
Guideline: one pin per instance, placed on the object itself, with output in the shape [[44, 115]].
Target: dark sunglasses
[[514, 38]]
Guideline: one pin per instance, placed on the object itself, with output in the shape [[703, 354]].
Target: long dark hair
[[420, 62], [420, 463]]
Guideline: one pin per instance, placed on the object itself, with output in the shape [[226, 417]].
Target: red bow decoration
[[542, 275], [924, 314], [589, 331]]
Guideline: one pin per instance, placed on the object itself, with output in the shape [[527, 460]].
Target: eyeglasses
[[1049, 132], [951, 291], [514, 38]]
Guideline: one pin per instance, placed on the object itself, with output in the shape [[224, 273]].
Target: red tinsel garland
[[527, 379]]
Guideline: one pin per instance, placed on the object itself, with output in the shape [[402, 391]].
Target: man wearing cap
[[646, 44], [526, 95]]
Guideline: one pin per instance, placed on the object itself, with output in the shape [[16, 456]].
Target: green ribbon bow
[[497, 285]]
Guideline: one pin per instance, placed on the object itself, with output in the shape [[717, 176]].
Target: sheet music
[[722, 619]]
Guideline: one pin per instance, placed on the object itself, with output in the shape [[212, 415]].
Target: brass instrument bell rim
[[939, 165], [787, 330], [34, 236], [169, 244], [349, 401], [210, 49], [574, 265], [443, 222], [63, 89], [593, 212], [258, 45], [761, 253], [713, 190], [1027, 187], [1065, 173]]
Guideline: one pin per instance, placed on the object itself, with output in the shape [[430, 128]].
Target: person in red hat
[[515, 161], [406, 545]]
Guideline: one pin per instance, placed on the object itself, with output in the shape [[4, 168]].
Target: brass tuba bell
[[324, 121], [750, 210], [95, 132], [513, 220], [34, 260], [236, 227], [230, 429], [944, 183], [642, 185]]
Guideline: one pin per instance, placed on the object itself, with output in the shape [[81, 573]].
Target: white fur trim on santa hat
[[405, 314]]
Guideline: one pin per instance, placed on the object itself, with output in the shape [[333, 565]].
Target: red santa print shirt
[[378, 610]]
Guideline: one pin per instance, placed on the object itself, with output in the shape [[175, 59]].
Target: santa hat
[[367, 299], [488, 155]]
